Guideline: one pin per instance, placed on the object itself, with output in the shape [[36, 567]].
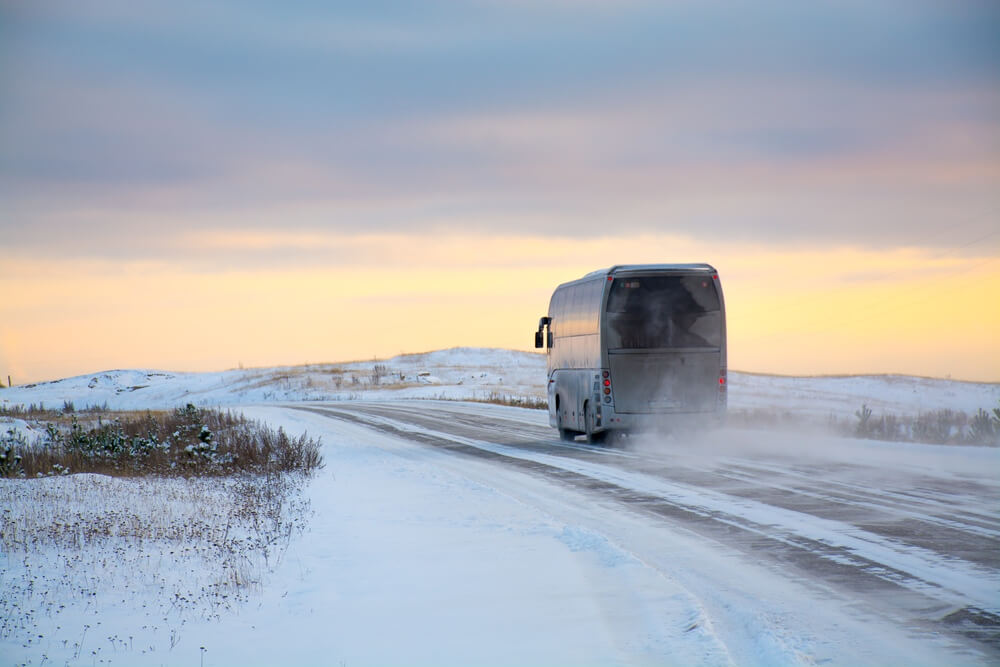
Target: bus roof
[[653, 268]]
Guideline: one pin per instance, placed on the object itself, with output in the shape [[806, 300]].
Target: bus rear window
[[664, 311]]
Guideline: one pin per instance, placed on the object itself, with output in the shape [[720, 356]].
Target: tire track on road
[[893, 591]]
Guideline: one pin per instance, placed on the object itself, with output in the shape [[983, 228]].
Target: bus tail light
[[607, 385]]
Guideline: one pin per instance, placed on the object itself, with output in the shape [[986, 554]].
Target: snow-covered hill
[[478, 373]]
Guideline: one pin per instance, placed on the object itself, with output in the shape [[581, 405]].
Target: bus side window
[[566, 310], [575, 310], [566, 329], [556, 313], [594, 294]]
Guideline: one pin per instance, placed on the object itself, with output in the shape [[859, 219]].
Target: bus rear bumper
[[660, 421]]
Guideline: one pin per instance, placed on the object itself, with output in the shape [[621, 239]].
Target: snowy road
[[450, 533], [795, 548]]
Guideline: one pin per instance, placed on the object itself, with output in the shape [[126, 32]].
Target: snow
[[460, 373], [418, 565], [415, 556], [842, 395], [478, 373]]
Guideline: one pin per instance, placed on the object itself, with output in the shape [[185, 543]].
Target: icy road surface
[[756, 548]]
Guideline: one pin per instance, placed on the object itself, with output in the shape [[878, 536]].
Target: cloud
[[126, 125]]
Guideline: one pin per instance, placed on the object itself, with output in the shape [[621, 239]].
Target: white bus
[[635, 347]]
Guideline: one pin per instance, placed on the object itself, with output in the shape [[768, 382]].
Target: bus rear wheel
[[565, 434], [590, 419]]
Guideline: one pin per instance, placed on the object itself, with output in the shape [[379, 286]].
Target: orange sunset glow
[[800, 312]]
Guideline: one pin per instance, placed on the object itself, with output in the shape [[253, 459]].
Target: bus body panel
[[569, 391], [655, 333], [685, 381]]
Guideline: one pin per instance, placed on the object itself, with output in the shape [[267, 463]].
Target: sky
[[198, 186]]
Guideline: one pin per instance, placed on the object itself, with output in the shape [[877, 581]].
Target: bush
[[10, 458], [865, 427], [984, 428], [939, 427], [379, 371]]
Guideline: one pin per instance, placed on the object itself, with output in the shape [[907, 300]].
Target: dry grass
[[170, 549], [186, 442], [497, 398]]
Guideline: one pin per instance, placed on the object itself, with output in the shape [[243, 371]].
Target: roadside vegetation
[[936, 427], [511, 400], [185, 442], [197, 505]]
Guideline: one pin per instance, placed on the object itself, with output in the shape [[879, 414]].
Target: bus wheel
[[564, 433], [590, 419]]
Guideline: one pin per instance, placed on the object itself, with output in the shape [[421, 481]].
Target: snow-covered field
[[450, 533], [462, 373]]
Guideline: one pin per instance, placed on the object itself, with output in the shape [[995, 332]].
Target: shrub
[[865, 427], [984, 428], [941, 426], [379, 371], [10, 458]]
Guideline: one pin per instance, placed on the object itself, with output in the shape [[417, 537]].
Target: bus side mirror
[[542, 324]]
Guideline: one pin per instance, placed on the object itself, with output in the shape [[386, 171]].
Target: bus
[[635, 347]]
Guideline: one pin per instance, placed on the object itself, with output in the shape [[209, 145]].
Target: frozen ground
[[458, 533]]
